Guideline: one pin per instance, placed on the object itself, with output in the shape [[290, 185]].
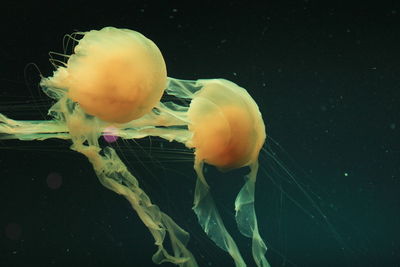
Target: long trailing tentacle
[[246, 217]]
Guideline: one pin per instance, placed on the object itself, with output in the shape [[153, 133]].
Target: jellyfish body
[[228, 131], [117, 76]]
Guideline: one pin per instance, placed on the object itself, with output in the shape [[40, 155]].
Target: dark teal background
[[325, 75]]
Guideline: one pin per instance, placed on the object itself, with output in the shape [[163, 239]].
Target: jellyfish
[[115, 78]]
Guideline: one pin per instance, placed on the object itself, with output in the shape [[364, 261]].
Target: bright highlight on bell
[[116, 78]]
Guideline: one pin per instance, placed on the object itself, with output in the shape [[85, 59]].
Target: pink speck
[[109, 134]]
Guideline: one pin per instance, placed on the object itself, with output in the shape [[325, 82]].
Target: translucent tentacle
[[114, 175], [210, 220], [182, 88], [32, 130], [246, 217]]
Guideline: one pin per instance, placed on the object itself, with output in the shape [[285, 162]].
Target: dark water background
[[326, 78]]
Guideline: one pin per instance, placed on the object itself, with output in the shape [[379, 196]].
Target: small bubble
[[13, 231], [54, 180]]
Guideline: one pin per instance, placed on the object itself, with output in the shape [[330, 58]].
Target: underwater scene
[[222, 134]]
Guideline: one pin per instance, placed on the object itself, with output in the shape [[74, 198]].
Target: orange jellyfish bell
[[117, 75], [228, 130]]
